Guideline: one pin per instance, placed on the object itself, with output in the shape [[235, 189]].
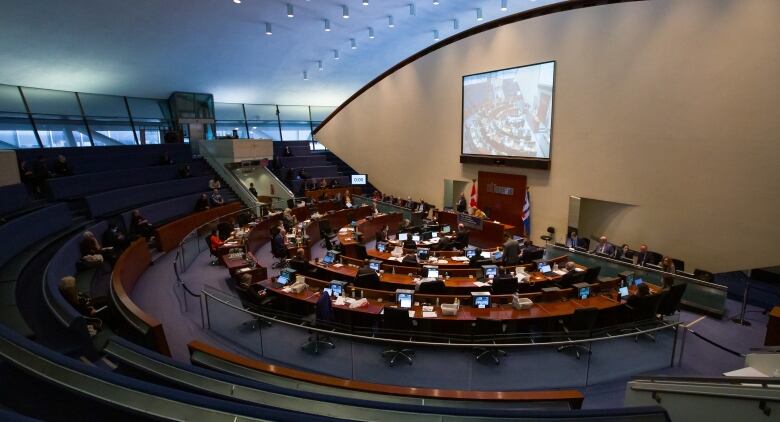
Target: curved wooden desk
[[171, 234]]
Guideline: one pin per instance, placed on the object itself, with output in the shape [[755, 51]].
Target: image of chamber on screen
[[509, 112]]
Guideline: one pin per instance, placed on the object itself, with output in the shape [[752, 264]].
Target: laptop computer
[[623, 292], [547, 270]]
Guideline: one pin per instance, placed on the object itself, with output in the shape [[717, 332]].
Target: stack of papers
[[459, 258], [481, 284], [559, 272], [338, 265], [429, 314]]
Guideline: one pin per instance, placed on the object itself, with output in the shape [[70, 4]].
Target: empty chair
[[592, 274], [486, 331], [504, 284], [579, 325], [704, 275], [431, 287], [679, 264], [670, 303], [323, 315], [326, 232], [645, 308], [397, 324]]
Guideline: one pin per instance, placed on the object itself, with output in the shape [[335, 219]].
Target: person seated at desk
[[667, 266], [462, 237], [288, 220], [216, 198], [252, 189], [444, 244], [410, 259], [80, 301], [323, 183], [61, 167], [624, 252], [214, 241], [214, 184], [202, 203], [528, 250], [366, 277], [604, 247], [573, 241], [382, 235], [461, 205], [511, 249], [642, 290], [299, 262], [405, 225], [476, 212], [139, 226], [644, 257]]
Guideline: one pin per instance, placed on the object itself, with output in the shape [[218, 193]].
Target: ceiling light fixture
[[237, 1], [319, 64], [479, 13], [371, 32], [352, 43], [365, 2], [345, 11], [268, 28], [504, 5], [390, 22], [327, 25], [290, 13], [412, 10], [435, 2], [436, 35], [305, 75], [455, 24], [335, 54]]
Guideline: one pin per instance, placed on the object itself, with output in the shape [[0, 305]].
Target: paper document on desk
[[340, 301], [578, 269], [338, 265], [459, 258], [411, 314], [560, 272], [480, 284], [395, 258], [441, 261], [429, 314]]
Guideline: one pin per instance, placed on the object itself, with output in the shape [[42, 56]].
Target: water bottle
[[437, 301]]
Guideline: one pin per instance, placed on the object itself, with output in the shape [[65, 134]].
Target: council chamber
[[506, 210]]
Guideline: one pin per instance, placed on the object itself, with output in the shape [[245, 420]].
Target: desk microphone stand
[[741, 318]]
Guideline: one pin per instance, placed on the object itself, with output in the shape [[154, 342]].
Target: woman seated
[[92, 252], [140, 226], [80, 301]]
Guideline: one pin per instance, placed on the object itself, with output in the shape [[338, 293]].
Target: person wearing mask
[[604, 247], [216, 198], [511, 250], [202, 203], [461, 206], [252, 189], [61, 167], [573, 240]]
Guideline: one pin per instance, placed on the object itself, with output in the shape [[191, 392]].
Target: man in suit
[[462, 237], [604, 247], [461, 206], [572, 241], [527, 251], [644, 257], [444, 244], [511, 250]]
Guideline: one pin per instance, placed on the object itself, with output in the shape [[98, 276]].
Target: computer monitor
[[434, 235], [284, 277], [403, 236], [330, 257], [416, 237], [431, 271], [337, 287], [374, 264], [485, 255], [446, 229], [497, 255], [426, 235], [544, 267], [470, 252], [638, 281], [623, 292], [404, 298], [584, 292], [480, 300], [381, 246], [423, 253], [489, 271]]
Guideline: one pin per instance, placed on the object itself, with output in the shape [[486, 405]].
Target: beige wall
[[669, 105]]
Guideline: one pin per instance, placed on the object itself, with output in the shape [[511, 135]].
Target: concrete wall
[[671, 106]]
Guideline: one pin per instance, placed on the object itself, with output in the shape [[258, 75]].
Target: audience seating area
[[93, 160]]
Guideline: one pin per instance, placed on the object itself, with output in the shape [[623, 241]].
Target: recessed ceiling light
[[305, 75], [344, 12], [319, 64], [352, 43], [436, 35], [327, 25], [290, 12], [268, 28], [412, 9], [371, 32], [504, 5], [390, 22], [365, 2], [335, 54], [237, 1], [455, 24], [435, 2], [479, 13]]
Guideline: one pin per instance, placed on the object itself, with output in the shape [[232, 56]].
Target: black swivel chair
[[504, 284], [367, 281], [321, 319], [397, 324], [704, 275], [431, 287], [670, 303], [679, 265], [326, 233], [212, 252], [592, 275], [487, 330], [644, 309], [581, 322], [280, 253]]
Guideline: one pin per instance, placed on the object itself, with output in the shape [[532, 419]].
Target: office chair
[[397, 323], [367, 281], [643, 309], [670, 304], [504, 284], [245, 295], [592, 274], [679, 265], [581, 322], [484, 328], [431, 287], [212, 252], [703, 275], [281, 254], [326, 233], [570, 278], [360, 252], [323, 315]]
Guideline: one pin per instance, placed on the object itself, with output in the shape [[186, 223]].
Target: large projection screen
[[507, 115]]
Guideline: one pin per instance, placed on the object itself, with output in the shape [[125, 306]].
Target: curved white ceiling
[[149, 48]]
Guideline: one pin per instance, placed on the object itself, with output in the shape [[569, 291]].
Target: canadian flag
[[473, 201]]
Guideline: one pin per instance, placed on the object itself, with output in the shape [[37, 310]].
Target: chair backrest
[[703, 275], [324, 309], [208, 244], [647, 307], [432, 287], [368, 281], [325, 227], [671, 301], [487, 326], [592, 274], [504, 284], [585, 242], [396, 319], [584, 319], [556, 295]]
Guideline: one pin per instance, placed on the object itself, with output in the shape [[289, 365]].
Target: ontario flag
[[527, 214], [473, 201]]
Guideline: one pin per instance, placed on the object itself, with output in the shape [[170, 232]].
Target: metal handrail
[[230, 178], [666, 325]]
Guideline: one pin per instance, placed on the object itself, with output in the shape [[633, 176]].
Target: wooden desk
[[491, 235], [331, 193], [171, 234]]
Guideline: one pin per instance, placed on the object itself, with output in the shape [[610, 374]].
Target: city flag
[[527, 214], [473, 201]]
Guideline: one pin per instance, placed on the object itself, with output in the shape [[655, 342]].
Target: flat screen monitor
[[374, 264], [446, 229], [584, 292], [404, 298], [434, 235], [330, 257], [431, 272], [403, 237], [623, 292], [381, 246], [508, 115], [416, 237], [337, 287], [328, 291], [422, 253], [545, 268], [497, 255], [470, 252], [481, 300], [489, 271], [284, 277], [359, 179]]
